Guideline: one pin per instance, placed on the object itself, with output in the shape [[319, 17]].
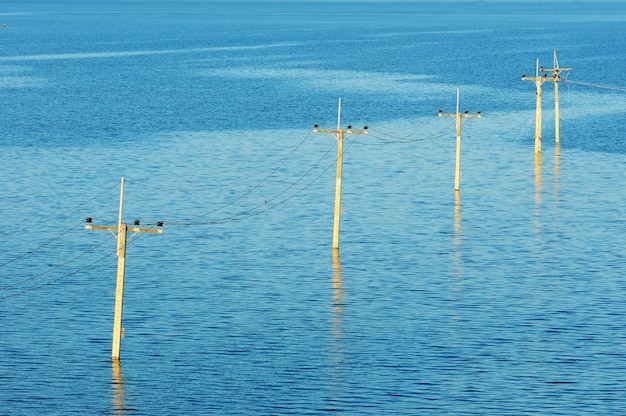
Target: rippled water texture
[[505, 298]]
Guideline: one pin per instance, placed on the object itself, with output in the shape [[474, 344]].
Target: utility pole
[[122, 230], [458, 116], [340, 136], [556, 77], [538, 82]]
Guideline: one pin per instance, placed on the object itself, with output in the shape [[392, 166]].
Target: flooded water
[[504, 298]]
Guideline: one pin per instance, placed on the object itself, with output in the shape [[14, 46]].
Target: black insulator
[[523, 75], [314, 126], [137, 222], [364, 127], [466, 111], [349, 126], [89, 220], [159, 223], [479, 113], [441, 111]]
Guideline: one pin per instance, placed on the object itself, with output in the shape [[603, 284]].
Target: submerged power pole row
[[122, 231]]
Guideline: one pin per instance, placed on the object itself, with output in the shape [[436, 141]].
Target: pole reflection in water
[[538, 189], [557, 152], [337, 299], [118, 388], [458, 234]]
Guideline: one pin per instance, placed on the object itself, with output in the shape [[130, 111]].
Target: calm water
[[506, 300]]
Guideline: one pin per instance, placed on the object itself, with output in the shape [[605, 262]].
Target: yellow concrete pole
[[538, 117], [122, 231], [556, 71], [557, 117], [457, 169], [538, 82], [340, 139], [119, 287], [119, 291], [337, 221], [458, 116]]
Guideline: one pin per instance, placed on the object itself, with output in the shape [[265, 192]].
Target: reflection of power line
[[340, 135]]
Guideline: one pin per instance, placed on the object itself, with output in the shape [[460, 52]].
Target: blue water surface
[[504, 298]]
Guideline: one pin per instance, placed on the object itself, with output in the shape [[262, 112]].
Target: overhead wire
[[256, 186], [251, 211], [55, 267], [131, 239], [51, 282], [603, 86], [60, 214], [312, 182], [407, 139], [42, 245], [387, 137]]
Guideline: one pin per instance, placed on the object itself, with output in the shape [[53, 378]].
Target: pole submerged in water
[[458, 116], [340, 137], [122, 231]]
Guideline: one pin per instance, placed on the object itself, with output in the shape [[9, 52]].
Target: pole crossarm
[[536, 79], [341, 131], [131, 229], [461, 115], [556, 73]]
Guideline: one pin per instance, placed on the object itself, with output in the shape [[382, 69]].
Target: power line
[[253, 211], [58, 279], [53, 269], [41, 246], [60, 214], [249, 191], [604, 86], [394, 139]]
